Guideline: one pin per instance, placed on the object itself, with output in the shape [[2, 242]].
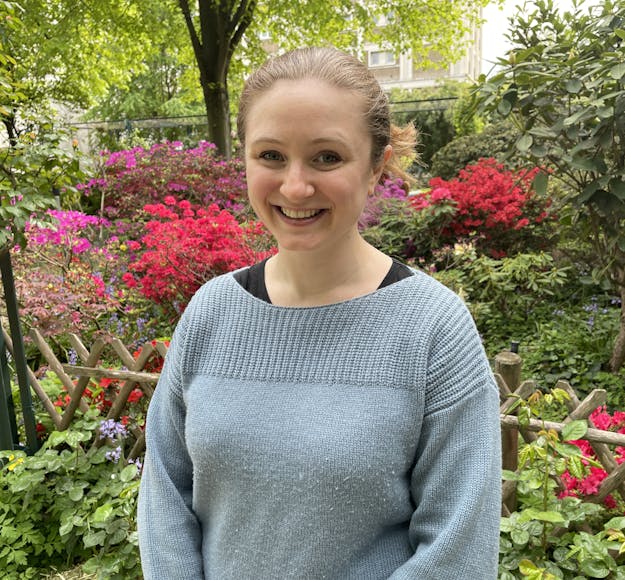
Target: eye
[[328, 158], [270, 156]]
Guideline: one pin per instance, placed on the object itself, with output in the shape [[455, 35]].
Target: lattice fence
[[75, 378], [507, 374]]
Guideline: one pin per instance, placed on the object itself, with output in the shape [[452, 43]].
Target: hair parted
[[344, 71]]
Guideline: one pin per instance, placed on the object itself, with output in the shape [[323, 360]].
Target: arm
[[170, 537], [456, 480]]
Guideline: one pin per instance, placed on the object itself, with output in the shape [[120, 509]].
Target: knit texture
[[357, 440]]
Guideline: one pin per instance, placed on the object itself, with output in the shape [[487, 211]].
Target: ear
[[376, 172]]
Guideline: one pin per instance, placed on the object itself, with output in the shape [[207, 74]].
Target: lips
[[300, 214]]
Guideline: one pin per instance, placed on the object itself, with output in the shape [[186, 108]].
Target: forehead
[[305, 104]]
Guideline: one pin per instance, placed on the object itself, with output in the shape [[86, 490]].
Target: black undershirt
[[253, 278]]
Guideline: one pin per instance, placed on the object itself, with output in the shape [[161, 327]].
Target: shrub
[[376, 204], [135, 177], [494, 141], [186, 245], [70, 502], [494, 207]]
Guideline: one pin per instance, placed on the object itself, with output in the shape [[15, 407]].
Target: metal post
[[19, 355], [8, 425]]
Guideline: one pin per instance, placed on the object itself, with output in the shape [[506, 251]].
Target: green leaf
[[128, 473], [617, 523], [103, 513], [76, 493], [527, 567], [94, 539], [549, 516], [508, 475], [618, 71], [540, 183], [524, 143], [504, 107], [587, 164], [520, 536], [595, 568], [574, 430], [573, 86], [576, 467]]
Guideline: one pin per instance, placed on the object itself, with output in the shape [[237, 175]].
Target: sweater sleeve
[[456, 479], [170, 537]]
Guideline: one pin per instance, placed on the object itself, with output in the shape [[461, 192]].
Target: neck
[[318, 278]]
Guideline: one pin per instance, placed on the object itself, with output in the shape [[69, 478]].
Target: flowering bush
[[377, 203], [589, 484], [495, 207], [186, 245], [64, 279], [72, 501], [135, 177]]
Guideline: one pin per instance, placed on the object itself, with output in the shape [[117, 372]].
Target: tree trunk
[[618, 352], [218, 114], [221, 27]]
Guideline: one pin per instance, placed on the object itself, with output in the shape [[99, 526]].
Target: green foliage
[[573, 341], [434, 35], [502, 293], [438, 121], [31, 170], [548, 537], [563, 85], [71, 52], [32, 162], [405, 233], [68, 503], [494, 141]]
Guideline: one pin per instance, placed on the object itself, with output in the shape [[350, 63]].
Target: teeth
[[300, 213]]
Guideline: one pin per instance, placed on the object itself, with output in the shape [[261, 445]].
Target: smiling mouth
[[300, 214]]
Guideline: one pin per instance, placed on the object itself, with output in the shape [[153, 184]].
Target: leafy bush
[[70, 502], [553, 535], [504, 295], [494, 141], [573, 341]]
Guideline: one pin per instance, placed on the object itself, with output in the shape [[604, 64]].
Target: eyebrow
[[317, 141]]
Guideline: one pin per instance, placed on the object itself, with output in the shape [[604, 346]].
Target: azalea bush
[[69, 280], [135, 177], [586, 484], [65, 275], [495, 207], [186, 245]]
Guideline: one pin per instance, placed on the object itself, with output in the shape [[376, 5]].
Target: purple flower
[[114, 454], [112, 429]]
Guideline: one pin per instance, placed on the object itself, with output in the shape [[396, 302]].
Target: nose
[[296, 183]]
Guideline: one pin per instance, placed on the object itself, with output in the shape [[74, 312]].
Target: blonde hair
[[346, 72]]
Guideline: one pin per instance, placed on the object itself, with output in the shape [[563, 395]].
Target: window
[[382, 58]]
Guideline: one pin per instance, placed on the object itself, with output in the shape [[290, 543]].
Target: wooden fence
[[75, 378], [507, 369], [508, 373]]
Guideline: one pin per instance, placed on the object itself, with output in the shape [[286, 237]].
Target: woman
[[328, 413]]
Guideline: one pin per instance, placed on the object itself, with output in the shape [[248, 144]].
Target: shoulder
[[422, 295]]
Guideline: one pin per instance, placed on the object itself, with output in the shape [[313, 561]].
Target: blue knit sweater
[[357, 440]]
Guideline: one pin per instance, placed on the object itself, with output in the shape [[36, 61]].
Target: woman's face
[[308, 163]]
